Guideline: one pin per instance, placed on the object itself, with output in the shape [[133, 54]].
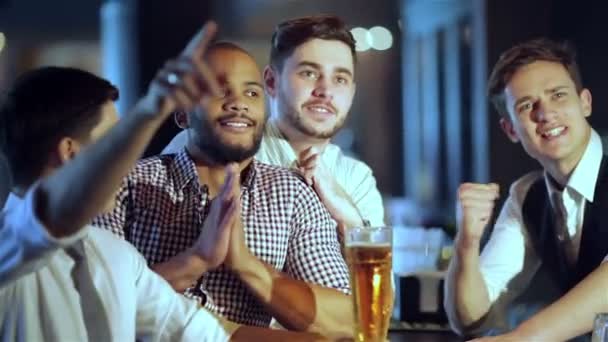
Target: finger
[[478, 193], [474, 205], [307, 174], [226, 188], [200, 41], [310, 162], [307, 153], [488, 186], [227, 220], [188, 77], [177, 91], [207, 80]]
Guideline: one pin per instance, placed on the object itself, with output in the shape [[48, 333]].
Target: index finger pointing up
[[199, 42]]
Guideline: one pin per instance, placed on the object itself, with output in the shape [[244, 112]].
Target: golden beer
[[370, 273]]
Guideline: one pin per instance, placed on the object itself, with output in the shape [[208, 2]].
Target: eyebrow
[[254, 83], [554, 89], [548, 91], [317, 66]]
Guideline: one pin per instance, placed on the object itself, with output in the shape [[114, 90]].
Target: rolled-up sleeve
[[314, 253], [504, 256]]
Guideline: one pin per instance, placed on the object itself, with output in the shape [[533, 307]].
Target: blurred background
[[420, 117]]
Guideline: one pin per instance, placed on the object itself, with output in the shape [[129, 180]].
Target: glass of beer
[[370, 260], [600, 328]]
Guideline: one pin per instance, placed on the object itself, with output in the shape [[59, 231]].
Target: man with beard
[[283, 259], [310, 82]]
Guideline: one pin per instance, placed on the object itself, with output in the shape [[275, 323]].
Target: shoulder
[[112, 248], [152, 167], [335, 155], [272, 175], [521, 186], [518, 192]]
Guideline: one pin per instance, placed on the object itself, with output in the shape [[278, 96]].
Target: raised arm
[[72, 196], [467, 299]]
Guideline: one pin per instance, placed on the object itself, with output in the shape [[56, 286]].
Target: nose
[[323, 89], [235, 104], [545, 111]]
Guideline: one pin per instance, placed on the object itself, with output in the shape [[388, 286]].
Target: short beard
[[296, 121], [210, 143]]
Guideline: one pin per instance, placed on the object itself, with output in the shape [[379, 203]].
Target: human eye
[[309, 74], [252, 93]]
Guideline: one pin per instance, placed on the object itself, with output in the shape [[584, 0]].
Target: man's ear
[[507, 127], [586, 102], [181, 119], [67, 149], [270, 80]]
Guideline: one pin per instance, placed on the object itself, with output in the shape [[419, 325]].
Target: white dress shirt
[[38, 300], [508, 261], [355, 177]]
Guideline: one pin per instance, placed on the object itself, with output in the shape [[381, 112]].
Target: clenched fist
[[474, 211]]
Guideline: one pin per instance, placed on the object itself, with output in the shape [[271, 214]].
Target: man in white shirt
[[548, 236], [311, 83], [52, 264]]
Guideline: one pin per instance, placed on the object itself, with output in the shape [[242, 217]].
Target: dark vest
[[539, 216]]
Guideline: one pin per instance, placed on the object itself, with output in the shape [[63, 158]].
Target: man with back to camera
[[61, 280]]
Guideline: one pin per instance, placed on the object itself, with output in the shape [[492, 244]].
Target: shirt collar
[[584, 176], [250, 173], [275, 136], [185, 170], [12, 200]]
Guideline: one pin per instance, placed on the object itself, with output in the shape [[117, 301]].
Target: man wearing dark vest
[[548, 236]]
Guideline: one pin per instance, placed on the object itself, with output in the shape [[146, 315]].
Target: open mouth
[[554, 132], [320, 109], [236, 124]]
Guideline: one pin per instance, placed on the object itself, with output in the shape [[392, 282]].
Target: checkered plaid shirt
[[161, 208]]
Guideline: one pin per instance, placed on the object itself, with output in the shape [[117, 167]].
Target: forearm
[[298, 305], [181, 271], [467, 299], [72, 196], [249, 333], [573, 314]]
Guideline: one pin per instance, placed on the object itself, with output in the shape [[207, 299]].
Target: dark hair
[[526, 53], [41, 107], [292, 33]]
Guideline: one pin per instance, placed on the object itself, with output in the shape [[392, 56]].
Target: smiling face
[[547, 114], [314, 91], [229, 128]]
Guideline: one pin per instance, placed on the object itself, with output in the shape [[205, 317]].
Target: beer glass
[[369, 257], [600, 328]]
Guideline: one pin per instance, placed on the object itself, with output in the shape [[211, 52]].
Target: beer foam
[[359, 244]]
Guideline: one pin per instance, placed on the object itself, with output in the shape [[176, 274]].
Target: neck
[[212, 173], [298, 140], [561, 169], [21, 189]]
